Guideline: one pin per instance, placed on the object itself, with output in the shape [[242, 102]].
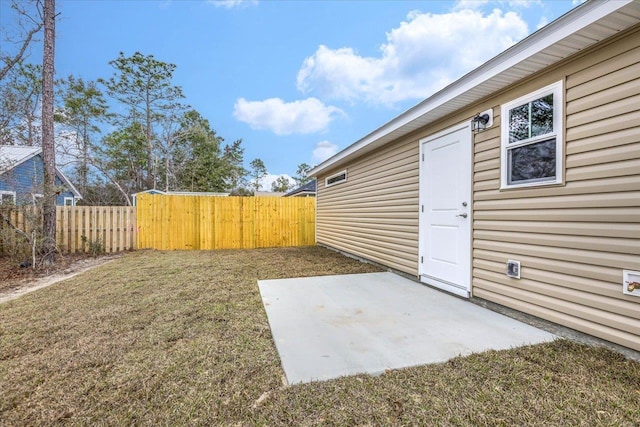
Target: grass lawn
[[175, 338]]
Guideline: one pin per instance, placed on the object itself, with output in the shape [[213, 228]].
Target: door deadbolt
[[464, 203]]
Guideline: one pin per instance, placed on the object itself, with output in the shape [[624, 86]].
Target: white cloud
[[424, 54], [265, 183], [524, 3], [230, 4], [284, 118], [323, 150], [479, 4], [470, 4]]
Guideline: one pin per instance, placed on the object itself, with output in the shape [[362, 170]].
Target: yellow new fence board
[[208, 222]]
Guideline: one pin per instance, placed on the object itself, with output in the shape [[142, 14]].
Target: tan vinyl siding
[[374, 214], [573, 240]]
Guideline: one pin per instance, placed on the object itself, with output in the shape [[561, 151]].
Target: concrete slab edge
[[545, 325]]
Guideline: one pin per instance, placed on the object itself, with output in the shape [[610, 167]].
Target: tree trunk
[[167, 163], [83, 163], [48, 146], [151, 179]]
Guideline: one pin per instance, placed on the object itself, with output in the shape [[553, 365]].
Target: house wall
[[374, 214], [573, 240], [26, 179]]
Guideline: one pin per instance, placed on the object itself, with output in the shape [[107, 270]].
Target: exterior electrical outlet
[[631, 282], [513, 269]]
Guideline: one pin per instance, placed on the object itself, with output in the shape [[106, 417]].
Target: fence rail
[[78, 228], [204, 222]]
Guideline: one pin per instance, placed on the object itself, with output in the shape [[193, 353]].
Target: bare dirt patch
[[17, 281]]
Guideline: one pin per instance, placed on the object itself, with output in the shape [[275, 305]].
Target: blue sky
[[296, 80]]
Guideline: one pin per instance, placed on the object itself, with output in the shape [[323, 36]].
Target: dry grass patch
[[174, 338]]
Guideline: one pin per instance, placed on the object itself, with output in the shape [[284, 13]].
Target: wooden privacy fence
[[78, 228], [171, 222], [204, 222], [111, 227]]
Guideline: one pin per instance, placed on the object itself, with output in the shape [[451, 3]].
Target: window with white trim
[[336, 178], [531, 139], [69, 201], [7, 197]]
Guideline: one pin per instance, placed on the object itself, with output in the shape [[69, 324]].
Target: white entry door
[[445, 211]]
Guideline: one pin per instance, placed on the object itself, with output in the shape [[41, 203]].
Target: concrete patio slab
[[330, 326]]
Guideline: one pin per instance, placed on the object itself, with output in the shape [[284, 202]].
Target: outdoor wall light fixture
[[482, 121]]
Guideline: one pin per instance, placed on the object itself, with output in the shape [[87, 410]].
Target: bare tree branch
[[16, 229], [11, 61]]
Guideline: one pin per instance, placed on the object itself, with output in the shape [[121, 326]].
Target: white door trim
[[461, 289]]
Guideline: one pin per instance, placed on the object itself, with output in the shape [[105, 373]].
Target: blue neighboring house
[[21, 177]]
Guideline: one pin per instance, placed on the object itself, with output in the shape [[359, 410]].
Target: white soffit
[[576, 30]]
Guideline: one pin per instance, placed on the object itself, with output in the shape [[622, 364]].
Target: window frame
[[557, 90], [326, 180], [73, 201], [7, 193]]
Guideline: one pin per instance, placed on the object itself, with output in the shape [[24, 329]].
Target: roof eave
[[576, 19], [68, 183], [17, 163]]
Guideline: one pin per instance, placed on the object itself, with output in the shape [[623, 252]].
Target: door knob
[[463, 215]]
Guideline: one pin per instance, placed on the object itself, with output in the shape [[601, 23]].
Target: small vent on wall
[[336, 178], [513, 269]]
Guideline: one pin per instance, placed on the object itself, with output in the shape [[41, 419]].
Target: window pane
[[533, 162], [542, 116], [519, 123]]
